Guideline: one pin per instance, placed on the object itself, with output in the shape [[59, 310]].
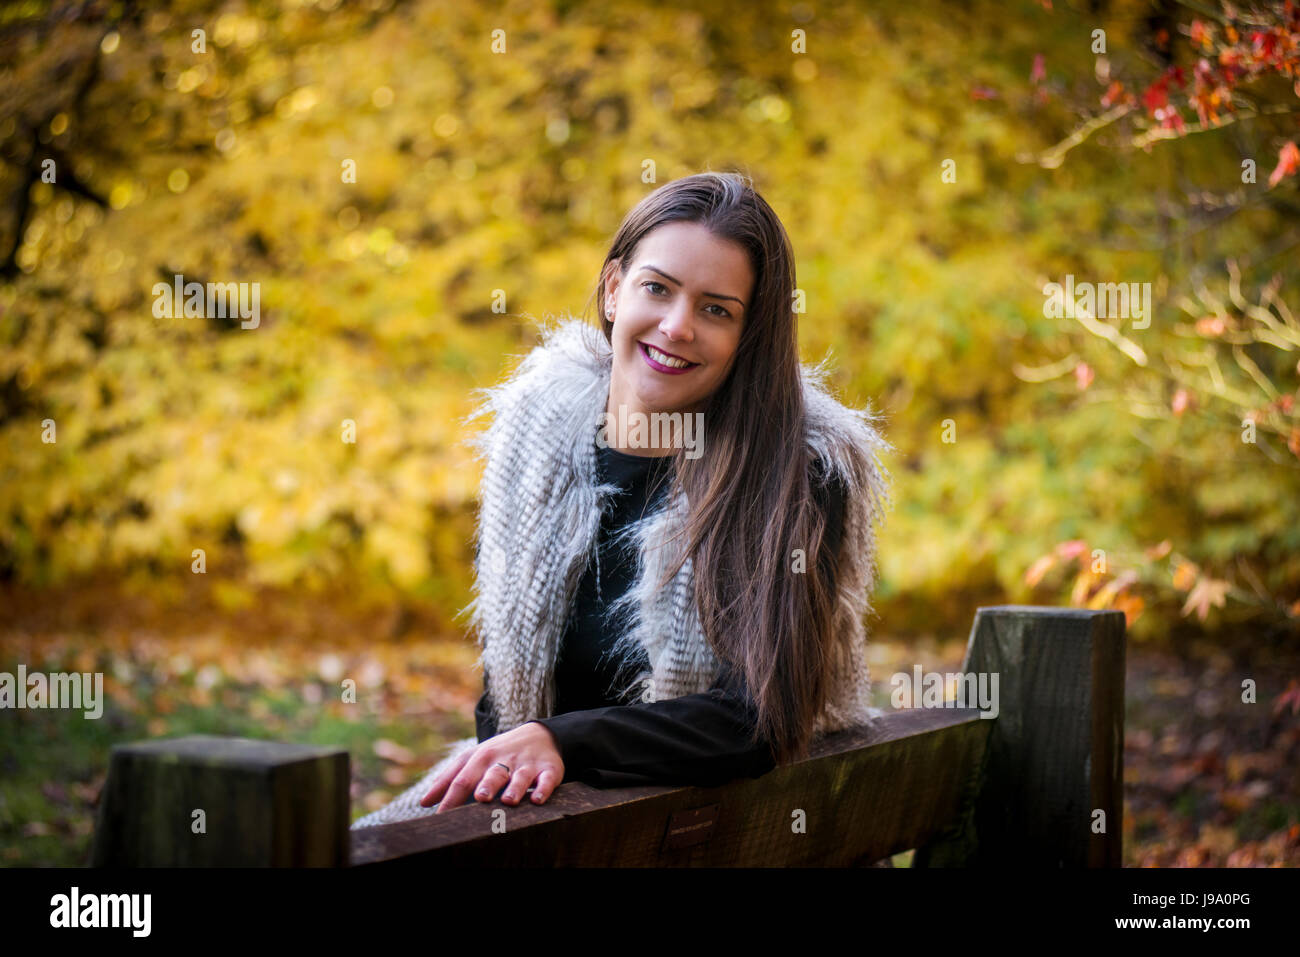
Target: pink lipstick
[[659, 366]]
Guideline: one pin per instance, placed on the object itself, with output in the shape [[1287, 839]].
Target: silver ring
[[500, 765]]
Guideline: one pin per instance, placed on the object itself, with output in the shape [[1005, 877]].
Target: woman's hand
[[530, 753]]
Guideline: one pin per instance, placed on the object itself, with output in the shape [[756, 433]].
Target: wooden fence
[[1039, 784]]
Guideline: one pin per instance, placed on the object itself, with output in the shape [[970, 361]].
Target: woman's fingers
[[491, 782], [519, 782], [457, 789], [467, 780], [516, 760], [546, 782], [440, 783]]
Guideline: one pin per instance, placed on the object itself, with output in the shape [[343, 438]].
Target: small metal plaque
[[686, 828]]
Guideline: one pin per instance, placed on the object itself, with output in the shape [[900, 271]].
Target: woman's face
[[686, 294]]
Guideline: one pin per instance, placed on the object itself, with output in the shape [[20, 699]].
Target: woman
[[681, 606]]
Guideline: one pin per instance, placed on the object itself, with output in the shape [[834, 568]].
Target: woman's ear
[[611, 287]]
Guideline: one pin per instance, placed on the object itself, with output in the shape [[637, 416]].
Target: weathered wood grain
[[864, 794], [1056, 754], [266, 804]]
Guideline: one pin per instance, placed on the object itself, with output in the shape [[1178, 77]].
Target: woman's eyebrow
[[711, 295]]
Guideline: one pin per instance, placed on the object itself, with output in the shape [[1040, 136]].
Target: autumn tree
[[1220, 363]]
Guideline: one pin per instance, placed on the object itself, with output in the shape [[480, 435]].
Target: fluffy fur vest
[[540, 510], [540, 507]]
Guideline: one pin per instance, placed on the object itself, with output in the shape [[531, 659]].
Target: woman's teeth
[[665, 359]]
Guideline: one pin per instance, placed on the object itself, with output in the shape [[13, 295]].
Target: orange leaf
[[1208, 591], [1111, 589], [1084, 586], [1156, 552], [1039, 568], [1185, 575], [1201, 35], [1131, 606]]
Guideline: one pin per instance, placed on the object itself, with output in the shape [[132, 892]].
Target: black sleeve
[[699, 739], [485, 716]]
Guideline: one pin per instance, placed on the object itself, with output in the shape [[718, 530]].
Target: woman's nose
[[678, 325]]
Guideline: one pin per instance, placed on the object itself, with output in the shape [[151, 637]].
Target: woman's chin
[[658, 398]]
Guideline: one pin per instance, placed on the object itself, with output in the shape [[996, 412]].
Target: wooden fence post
[[264, 804], [1050, 791]]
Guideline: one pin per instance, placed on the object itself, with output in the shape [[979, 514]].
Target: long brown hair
[[750, 501]]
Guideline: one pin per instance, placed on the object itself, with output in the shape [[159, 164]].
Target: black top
[[700, 739]]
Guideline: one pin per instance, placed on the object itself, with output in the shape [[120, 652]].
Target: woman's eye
[[721, 313]]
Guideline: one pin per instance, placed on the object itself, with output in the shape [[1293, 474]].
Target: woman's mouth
[[662, 362]]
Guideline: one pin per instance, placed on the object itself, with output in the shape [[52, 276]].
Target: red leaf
[[1156, 96], [1265, 45], [1288, 161]]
